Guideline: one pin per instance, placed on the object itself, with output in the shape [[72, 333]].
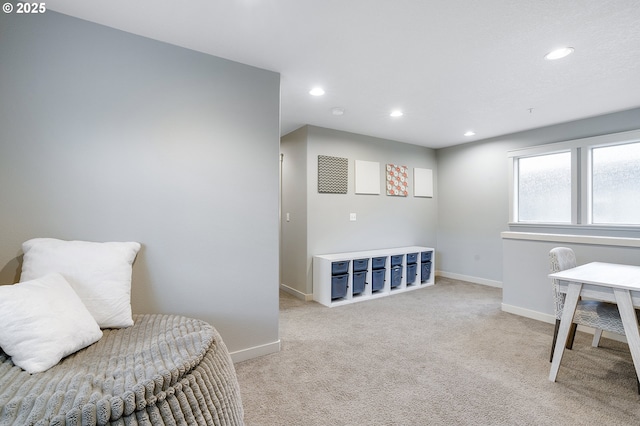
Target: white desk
[[604, 281]]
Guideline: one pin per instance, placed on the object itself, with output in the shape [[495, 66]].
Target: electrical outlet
[[352, 217]]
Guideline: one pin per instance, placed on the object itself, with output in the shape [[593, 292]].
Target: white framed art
[[367, 177], [422, 182]]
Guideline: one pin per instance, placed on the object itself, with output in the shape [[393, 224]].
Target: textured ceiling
[[450, 65]]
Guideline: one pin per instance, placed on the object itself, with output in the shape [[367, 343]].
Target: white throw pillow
[[100, 273], [42, 321]]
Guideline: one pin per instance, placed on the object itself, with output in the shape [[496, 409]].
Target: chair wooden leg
[[569, 344], [597, 333], [572, 335], [555, 337]]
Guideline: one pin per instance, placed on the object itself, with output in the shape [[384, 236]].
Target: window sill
[[576, 228], [572, 238]]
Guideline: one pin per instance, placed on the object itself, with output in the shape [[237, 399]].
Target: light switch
[[352, 217], [288, 218]]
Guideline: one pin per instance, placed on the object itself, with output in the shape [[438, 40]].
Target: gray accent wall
[[527, 289], [381, 221], [473, 193], [107, 136], [293, 245]]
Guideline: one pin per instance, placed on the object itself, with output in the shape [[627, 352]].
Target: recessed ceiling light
[[337, 111], [396, 113], [559, 53], [470, 133], [316, 91]]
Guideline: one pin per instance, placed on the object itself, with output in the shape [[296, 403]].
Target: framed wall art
[[422, 182], [397, 180], [332, 174], [367, 177]]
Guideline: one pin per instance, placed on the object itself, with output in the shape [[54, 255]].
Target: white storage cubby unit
[[343, 278]]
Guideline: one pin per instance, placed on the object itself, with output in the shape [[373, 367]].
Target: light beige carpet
[[441, 355]]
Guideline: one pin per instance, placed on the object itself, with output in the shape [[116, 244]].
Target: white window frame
[[581, 187]]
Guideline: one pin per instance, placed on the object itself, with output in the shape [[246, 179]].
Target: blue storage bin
[[412, 258], [339, 286], [425, 256], [339, 268], [396, 276], [359, 281], [378, 262], [396, 260], [412, 272], [425, 271], [377, 279], [360, 265]]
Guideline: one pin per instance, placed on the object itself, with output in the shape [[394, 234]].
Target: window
[[592, 181], [616, 184], [544, 188]]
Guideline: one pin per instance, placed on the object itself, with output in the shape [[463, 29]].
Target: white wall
[[382, 221], [107, 136]]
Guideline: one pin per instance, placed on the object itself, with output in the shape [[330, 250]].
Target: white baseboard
[[551, 319], [296, 293], [255, 352], [528, 313], [468, 278]]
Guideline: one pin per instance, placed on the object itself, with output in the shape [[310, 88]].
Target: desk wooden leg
[[630, 323], [570, 303]]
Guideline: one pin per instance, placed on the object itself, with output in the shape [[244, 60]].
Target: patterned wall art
[[332, 174], [397, 180], [367, 177], [422, 182]]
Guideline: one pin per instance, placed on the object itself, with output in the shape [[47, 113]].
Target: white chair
[[602, 316]]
